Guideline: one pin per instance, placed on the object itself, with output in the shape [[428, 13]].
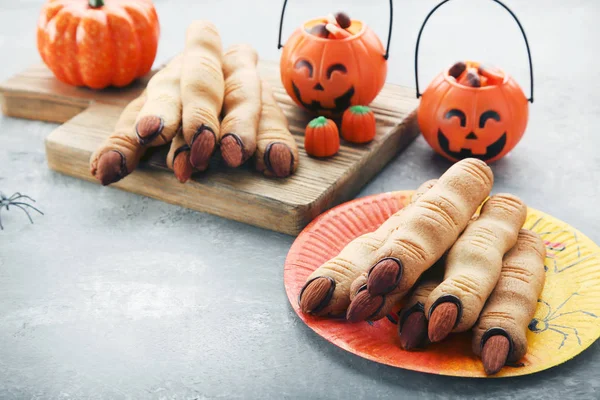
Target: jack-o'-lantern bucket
[[470, 110], [327, 75]]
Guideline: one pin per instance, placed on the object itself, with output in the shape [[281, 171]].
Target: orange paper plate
[[566, 321]]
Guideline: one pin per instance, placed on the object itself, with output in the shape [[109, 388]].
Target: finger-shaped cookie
[[404, 246], [427, 230], [421, 190], [202, 91], [362, 279], [373, 305], [412, 324], [276, 149], [160, 117], [120, 153], [242, 105], [473, 266], [500, 335], [178, 159]]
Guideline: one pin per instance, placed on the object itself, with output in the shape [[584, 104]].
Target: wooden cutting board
[[283, 205]]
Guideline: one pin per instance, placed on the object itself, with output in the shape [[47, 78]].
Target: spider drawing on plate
[[16, 200], [538, 325]]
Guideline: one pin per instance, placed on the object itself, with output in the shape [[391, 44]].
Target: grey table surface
[[114, 295]]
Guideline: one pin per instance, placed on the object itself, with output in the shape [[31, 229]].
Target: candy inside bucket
[[330, 27], [474, 74]]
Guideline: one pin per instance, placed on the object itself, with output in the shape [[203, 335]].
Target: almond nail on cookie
[[473, 266], [276, 149], [242, 105], [120, 153], [414, 238], [160, 117], [500, 335], [202, 91], [412, 324], [150, 120], [178, 158]]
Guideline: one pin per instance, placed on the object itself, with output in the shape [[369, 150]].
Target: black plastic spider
[[12, 201]]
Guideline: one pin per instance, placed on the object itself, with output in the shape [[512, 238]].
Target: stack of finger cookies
[[204, 100], [457, 260]]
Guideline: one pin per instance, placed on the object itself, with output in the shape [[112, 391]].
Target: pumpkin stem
[[96, 3], [318, 122], [360, 110]]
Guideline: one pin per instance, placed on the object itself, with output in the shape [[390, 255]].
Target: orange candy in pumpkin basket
[[470, 110], [327, 74]]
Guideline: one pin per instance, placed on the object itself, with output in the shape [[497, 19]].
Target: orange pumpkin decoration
[[321, 138], [486, 122], [98, 43], [358, 124], [460, 121], [326, 76]]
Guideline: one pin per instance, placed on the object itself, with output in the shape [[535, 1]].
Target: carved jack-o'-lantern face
[[326, 76], [459, 121], [332, 81], [481, 138]]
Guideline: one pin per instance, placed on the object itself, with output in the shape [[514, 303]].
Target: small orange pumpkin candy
[[98, 43], [358, 124], [321, 138]]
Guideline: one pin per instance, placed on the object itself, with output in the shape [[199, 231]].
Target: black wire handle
[[387, 49], [495, 1]]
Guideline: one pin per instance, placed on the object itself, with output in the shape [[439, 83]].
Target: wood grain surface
[[283, 205]]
